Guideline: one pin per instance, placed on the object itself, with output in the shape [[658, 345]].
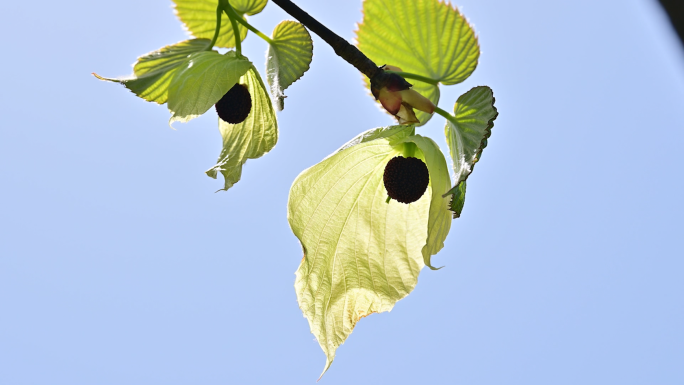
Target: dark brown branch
[[675, 10], [342, 48]]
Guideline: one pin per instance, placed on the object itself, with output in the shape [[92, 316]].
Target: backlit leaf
[[458, 199], [425, 37], [199, 17], [204, 79], [466, 134], [249, 7], [288, 57], [250, 139], [361, 254], [439, 221], [152, 73]]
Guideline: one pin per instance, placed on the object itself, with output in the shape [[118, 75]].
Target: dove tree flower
[[362, 251], [191, 77], [398, 98]]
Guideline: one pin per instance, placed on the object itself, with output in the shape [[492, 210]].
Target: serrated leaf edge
[[478, 152]]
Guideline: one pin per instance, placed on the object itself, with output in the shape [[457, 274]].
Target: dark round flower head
[[235, 105], [406, 179]]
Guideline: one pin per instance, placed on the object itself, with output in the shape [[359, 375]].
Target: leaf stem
[[219, 13], [342, 47], [230, 12], [446, 115], [409, 75], [251, 28]]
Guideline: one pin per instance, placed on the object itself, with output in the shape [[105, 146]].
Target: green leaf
[[199, 17], [425, 37], [361, 254], [288, 57], [250, 139], [466, 134], [204, 79], [152, 73], [458, 199], [249, 7]]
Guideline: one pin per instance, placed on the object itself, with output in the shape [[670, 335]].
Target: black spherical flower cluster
[[406, 179], [235, 105]]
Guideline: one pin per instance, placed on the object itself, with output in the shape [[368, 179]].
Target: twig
[[342, 48], [675, 10]]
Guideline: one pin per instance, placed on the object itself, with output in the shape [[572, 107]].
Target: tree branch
[[342, 48], [675, 10]]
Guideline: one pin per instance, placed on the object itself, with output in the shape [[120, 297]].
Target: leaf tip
[[426, 260], [172, 120], [105, 79], [328, 362]]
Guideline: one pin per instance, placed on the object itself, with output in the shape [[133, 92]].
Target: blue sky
[[119, 264]]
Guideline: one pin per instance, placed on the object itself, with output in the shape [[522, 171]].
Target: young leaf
[[199, 17], [288, 57], [152, 73], [204, 79], [250, 139], [361, 254], [425, 37], [466, 134]]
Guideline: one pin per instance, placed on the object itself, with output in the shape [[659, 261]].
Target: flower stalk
[[219, 13], [230, 12]]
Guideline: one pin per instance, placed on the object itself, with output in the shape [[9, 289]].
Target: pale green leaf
[[426, 37], [152, 73], [288, 57], [199, 17], [204, 79], [250, 139], [467, 132], [439, 222], [361, 254]]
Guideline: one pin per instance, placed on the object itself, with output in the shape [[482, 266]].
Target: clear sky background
[[120, 265]]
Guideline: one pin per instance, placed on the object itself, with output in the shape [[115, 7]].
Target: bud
[[235, 105], [406, 179], [397, 97]]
